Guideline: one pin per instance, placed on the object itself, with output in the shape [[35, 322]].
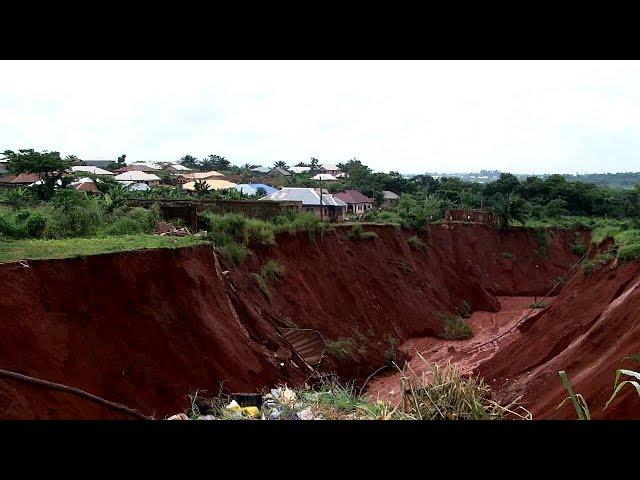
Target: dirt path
[[486, 326]]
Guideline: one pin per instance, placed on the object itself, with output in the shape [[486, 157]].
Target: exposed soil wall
[[147, 328], [587, 331]]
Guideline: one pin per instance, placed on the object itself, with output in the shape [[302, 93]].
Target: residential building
[[85, 184], [278, 172], [98, 163], [4, 165], [330, 168], [252, 188], [299, 169], [91, 169], [327, 206], [356, 201], [21, 180], [325, 177], [389, 199], [137, 176], [214, 184]]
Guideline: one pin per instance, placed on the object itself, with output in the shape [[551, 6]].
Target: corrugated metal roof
[[308, 196], [213, 184], [353, 196], [137, 176]]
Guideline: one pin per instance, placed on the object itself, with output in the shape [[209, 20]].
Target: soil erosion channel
[[147, 328]]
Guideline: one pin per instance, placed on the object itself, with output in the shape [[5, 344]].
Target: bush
[[234, 252], [36, 225], [342, 348], [259, 232], [272, 270], [358, 233], [415, 242], [593, 264], [578, 247], [542, 237], [455, 327], [628, 253], [538, 304], [137, 220]]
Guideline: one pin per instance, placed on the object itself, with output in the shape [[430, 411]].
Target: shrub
[[590, 265], [304, 222], [36, 225], [538, 304], [628, 253], [272, 270], [542, 237], [578, 247], [358, 233], [415, 242], [259, 232], [465, 309], [136, 220], [455, 327], [442, 393], [234, 252], [342, 348]]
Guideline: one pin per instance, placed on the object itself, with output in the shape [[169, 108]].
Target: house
[[470, 215], [389, 199], [4, 165], [252, 188], [261, 170], [177, 168], [137, 176], [214, 184], [85, 184], [135, 168], [210, 175], [91, 169], [299, 169], [278, 172], [21, 180], [327, 177], [356, 201], [327, 207], [330, 168]]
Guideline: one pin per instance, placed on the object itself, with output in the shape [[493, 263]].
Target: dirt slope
[[146, 328], [587, 331], [141, 328]]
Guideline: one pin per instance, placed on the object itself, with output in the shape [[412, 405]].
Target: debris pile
[[169, 229]]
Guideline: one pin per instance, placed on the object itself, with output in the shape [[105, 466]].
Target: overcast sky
[[408, 116]]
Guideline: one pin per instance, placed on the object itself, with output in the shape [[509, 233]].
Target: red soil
[[465, 354], [147, 328], [587, 331]]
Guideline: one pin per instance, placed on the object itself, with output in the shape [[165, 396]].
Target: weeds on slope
[[454, 327]]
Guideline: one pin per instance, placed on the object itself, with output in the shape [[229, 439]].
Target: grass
[[542, 237], [75, 247], [593, 264], [454, 327], [270, 271], [538, 304], [442, 393], [578, 247], [342, 348], [358, 233], [578, 401], [415, 242]]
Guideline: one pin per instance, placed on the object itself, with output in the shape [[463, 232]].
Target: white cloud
[[393, 115]]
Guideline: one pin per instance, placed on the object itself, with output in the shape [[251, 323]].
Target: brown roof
[[353, 196], [86, 187], [135, 168], [22, 178]]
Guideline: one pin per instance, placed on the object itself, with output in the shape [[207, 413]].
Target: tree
[[189, 161], [201, 187], [280, 164], [121, 160], [314, 164], [214, 162], [49, 167], [73, 158], [507, 208]]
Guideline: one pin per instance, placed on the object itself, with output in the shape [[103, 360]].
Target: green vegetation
[[342, 348], [542, 237], [578, 247], [270, 271], [454, 327], [578, 401], [593, 264], [538, 304], [634, 357], [11, 250], [465, 309], [358, 233], [445, 394], [416, 243]]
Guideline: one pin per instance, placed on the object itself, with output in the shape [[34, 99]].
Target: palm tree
[[510, 207], [280, 164]]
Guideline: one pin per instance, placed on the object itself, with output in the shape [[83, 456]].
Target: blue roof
[[252, 188]]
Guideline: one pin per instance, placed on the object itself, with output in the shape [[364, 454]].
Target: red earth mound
[[587, 331], [147, 328]]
